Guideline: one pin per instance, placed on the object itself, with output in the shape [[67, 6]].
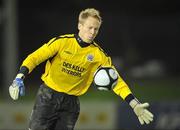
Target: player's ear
[[79, 26]]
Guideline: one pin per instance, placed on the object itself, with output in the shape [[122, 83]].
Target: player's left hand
[[141, 111]]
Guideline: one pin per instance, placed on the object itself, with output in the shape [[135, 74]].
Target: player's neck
[[81, 42]]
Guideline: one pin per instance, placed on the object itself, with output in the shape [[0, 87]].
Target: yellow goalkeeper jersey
[[70, 67]]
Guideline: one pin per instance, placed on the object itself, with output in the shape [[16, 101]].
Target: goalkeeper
[[71, 61]]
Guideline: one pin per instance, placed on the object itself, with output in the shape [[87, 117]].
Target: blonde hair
[[89, 12]]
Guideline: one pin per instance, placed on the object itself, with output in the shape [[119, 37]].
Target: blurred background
[[141, 37]]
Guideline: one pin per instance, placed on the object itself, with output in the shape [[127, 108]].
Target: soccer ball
[[105, 78]]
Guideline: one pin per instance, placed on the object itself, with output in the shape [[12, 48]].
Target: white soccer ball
[[105, 78]]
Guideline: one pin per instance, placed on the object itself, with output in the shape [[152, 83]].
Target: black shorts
[[54, 110]]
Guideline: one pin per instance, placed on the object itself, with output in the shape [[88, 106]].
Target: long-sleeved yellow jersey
[[70, 67]]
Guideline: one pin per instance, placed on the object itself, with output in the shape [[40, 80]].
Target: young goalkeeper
[[71, 61]]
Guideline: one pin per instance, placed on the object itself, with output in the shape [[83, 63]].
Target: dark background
[[141, 36], [134, 31], [150, 29]]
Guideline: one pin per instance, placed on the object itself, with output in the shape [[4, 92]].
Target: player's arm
[[140, 109], [43, 53], [122, 89]]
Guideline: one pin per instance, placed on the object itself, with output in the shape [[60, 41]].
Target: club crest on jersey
[[90, 57]]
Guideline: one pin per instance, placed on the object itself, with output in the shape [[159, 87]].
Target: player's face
[[89, 29]]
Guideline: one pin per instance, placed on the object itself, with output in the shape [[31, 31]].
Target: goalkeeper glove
[[17, 88], [141, 112]]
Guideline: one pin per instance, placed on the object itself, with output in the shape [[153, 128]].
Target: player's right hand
[[17, 88]]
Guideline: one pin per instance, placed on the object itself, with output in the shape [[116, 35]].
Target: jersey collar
[[81, 42]]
